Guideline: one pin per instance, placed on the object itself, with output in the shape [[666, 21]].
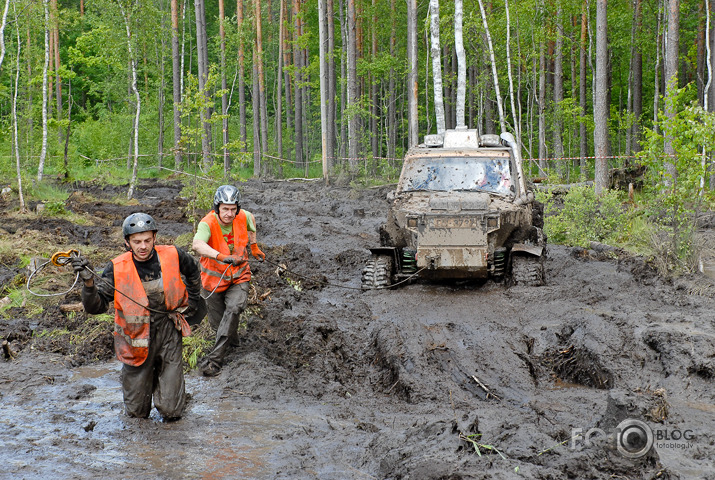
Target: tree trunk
[[256, 118], [137, 99], [279, 89], [583, 133], [287, 55], [637, 68], [43, 151], [351, 47], [261, 81], [3, 23], [224, 87], [500, 108], [391, 114], [15, 138], [323, 89], [412, 78], [241, 76], [559, 90], [54, 21], [374, 107], [461, 65], [297, 86], [600, 109], [176, 81], [330, 153], [514, 114], [671, 80], [436, 66], [543, 154], [203, 73]]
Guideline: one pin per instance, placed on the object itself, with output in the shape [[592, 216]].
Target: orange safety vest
[[132, 319], [212, 269]]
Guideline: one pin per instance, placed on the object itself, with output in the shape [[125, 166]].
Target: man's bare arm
[[203, 249]]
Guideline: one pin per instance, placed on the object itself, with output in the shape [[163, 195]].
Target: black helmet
[[227, 194], [137, 223]]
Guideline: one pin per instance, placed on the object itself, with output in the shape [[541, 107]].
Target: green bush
[[584, 217]]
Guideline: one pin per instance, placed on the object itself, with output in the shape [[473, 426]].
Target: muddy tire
[[378, 272], [527, 270]]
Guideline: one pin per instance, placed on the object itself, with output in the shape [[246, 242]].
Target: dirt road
[[332, 382]]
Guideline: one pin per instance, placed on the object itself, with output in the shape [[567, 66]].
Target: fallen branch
[[484, 387]]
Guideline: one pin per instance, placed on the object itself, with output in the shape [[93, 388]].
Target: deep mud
[[332, 382]]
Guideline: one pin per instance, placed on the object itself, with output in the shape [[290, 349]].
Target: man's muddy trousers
[[161, 375], [224, 311]]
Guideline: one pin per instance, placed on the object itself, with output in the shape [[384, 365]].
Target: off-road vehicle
[[462, 209]]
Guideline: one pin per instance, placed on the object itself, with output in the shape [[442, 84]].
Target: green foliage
[[55, 208], [583, 217], [673, 191]]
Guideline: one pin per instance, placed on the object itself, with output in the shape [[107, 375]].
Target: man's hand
[[232, 259], [80, 265], [256, 252]]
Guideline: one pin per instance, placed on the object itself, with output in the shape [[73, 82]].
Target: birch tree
[[436, 65], [600, 109], [137, 99], [43, 151], [3, 22], [352, 89]]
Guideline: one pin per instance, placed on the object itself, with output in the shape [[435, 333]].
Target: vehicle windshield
[[484, 174]]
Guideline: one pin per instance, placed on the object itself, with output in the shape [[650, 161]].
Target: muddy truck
[[462, 209]]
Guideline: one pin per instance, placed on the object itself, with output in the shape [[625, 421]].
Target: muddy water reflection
[[76, 429]]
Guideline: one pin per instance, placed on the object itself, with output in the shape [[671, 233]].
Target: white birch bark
[[706, 90], [43, 151], [461, 63], [600, 108], [3, 22], [500, 107], [436, 65], [137, 99]]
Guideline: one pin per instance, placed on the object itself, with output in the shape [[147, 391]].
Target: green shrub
[[584, 217]]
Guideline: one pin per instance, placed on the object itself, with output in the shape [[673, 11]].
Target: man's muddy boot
[[210, 369]]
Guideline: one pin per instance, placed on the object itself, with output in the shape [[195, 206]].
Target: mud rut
[[335, 383]]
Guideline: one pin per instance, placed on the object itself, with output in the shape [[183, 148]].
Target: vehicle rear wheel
[[527, 270], [378, 272]]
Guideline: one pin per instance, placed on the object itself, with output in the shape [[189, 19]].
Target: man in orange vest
[[222, 239], [153, 307]]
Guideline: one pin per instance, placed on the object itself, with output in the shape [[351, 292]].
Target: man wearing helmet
[[222, 239], [153, 309]]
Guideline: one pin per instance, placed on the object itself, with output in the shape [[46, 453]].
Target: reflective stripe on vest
[[132, 320], [211, 269]]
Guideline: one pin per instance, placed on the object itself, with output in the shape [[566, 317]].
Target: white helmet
[[227, 194]]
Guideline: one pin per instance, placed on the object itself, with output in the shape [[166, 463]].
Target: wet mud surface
[[332, 382]]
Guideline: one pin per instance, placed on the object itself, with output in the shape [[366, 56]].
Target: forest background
[[110, 89]]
